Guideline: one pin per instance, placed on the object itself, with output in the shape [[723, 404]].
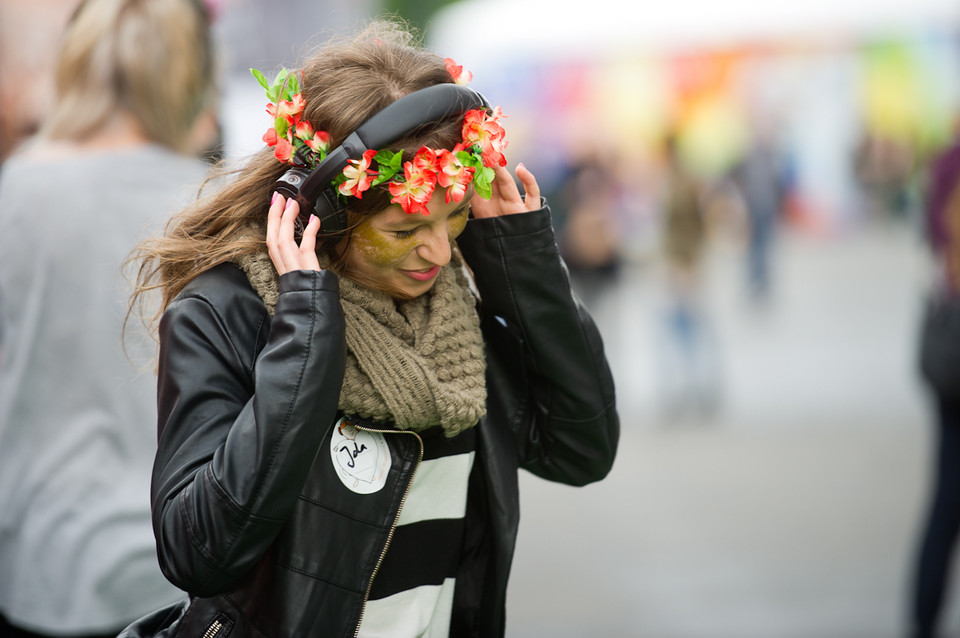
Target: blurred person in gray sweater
[[116, 153]]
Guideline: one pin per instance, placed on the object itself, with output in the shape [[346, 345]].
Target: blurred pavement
[[790, 514]]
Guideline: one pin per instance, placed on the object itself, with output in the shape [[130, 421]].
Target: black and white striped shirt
[[412, 594]]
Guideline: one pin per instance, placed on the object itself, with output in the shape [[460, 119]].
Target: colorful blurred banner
[[824, 99]]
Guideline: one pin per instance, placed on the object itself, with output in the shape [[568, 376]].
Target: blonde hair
[[344, 82], [152, 59]]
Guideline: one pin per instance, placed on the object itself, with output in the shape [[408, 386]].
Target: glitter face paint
[[401, 252], [377, 248]]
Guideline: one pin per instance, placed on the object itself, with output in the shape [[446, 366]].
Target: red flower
[[316, 141], [485, 130], [453, 175], [303, 130], [457, 73], [425, 160], [290, 110], [319, 142], [415, 191], [358, 175], [270, 137], [283, 149]]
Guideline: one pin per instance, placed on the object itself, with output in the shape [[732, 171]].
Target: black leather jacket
[[251, 520]]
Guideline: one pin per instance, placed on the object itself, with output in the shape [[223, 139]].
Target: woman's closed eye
[[404, 234]]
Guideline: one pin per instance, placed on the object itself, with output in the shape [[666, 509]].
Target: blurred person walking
[[759, 178], [689, 374], [588, 236], [117, 152], [940, 369]]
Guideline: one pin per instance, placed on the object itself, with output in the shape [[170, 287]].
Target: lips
[[423, 275]]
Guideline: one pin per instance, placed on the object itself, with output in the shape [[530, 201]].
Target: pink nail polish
[[312, 217], [290, 202], [274, 199]]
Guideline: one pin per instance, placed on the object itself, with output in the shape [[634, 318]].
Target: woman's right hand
[[282, 246]]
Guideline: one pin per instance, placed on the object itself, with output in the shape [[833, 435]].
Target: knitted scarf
[[417, 363]]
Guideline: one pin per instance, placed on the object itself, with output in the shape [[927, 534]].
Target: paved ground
[[791, 513]]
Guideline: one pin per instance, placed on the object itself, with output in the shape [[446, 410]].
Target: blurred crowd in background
[[841, 121], [821, 130]]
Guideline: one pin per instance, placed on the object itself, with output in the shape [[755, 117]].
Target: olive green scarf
[[417, 363]]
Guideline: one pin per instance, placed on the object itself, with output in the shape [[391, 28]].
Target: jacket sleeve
[[239, 431], [568, 427]]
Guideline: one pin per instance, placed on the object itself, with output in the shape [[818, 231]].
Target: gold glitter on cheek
[[380, 249], [457, 224]]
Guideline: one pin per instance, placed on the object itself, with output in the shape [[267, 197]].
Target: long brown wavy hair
[[344, 82]]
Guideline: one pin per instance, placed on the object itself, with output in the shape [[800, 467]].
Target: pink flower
[[453, 175], [485, 130], [457, 73], [358, 175], [415, 191]]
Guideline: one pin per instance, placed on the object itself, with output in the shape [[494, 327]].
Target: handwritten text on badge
[[360, 458]]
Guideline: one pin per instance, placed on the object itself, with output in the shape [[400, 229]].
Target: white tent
[[476, 28]]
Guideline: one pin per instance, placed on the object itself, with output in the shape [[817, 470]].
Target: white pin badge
[[360, 458]]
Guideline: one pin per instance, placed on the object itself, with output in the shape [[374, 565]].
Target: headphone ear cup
[[289, 186], [332, 213]]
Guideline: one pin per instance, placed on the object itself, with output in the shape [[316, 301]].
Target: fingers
[[505, 198], [531, 188], [287, 226], [308, 245], [482, 208], [282, 246], [277, 205], [287, 250], [505, 186]]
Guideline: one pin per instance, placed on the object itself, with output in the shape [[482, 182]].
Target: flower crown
[[411, 183]]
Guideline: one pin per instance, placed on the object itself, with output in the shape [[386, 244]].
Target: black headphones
[[312, 187]]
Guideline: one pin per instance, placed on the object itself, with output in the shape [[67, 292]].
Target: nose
[[435, 246]]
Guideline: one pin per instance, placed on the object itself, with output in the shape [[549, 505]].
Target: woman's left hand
[[505, 198]]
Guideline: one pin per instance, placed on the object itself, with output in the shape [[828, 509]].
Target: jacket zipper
[[393, 527], [213, 629]]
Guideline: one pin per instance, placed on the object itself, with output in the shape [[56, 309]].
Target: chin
[[398, 293], [408, 294]]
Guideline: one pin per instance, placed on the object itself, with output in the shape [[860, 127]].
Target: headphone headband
[[309, 187], [431, 104]]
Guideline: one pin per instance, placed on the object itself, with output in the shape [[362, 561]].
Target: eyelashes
[[407, 234]]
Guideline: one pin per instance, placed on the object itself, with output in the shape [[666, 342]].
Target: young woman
[[341, 418]]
